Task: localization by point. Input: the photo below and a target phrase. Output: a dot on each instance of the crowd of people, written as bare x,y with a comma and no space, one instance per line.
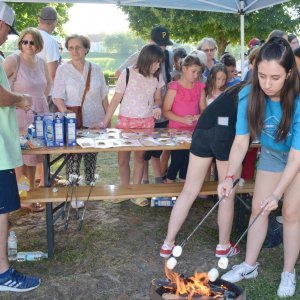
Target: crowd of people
160,88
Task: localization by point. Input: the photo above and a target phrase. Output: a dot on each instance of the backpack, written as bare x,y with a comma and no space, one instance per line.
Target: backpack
274,234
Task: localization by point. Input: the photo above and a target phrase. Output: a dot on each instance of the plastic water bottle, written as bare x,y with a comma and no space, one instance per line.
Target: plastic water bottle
12,246
31,256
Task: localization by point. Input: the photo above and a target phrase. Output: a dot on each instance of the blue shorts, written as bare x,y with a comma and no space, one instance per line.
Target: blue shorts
9,194
272,161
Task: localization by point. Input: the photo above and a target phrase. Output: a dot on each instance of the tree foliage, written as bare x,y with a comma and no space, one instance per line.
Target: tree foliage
27,14
125,43
191,26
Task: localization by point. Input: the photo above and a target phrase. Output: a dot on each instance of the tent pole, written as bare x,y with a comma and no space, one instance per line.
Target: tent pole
242,28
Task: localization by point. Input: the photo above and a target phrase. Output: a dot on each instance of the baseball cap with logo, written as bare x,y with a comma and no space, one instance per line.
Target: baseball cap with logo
161,36
48,13
8,16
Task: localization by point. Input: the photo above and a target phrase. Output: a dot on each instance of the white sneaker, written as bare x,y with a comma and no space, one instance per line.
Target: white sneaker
80,204
287,285
240,272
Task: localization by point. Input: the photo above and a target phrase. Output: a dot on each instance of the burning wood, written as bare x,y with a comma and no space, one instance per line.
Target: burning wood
186,288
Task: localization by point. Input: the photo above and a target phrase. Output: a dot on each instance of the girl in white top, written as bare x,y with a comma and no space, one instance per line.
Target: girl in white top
69,85
140,102
215,83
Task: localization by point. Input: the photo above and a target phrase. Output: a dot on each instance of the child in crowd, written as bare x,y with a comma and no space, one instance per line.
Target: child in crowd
269,109
215,83
141,102
229,61
183,105
179,54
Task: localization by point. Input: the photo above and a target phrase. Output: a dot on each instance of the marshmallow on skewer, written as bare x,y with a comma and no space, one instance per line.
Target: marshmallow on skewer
223,263
213,274
171,263
177,251
241,182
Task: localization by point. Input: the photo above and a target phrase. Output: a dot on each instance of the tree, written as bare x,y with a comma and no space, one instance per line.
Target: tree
125,43
191,26
27,14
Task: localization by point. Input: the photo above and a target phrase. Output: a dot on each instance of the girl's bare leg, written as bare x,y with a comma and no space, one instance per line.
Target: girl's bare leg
194,180
124,167
138,166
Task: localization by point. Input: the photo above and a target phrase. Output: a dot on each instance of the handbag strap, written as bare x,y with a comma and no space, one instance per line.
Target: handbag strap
14,77
87,84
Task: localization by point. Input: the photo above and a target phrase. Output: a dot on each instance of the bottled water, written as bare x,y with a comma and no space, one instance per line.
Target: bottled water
31,256
12,246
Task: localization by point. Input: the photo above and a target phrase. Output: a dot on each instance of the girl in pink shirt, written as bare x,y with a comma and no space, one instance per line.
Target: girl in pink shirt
140,102
183,105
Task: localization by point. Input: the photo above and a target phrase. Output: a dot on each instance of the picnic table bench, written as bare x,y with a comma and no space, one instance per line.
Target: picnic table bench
103,192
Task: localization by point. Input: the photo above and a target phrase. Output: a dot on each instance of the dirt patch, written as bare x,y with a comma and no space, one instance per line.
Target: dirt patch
115,256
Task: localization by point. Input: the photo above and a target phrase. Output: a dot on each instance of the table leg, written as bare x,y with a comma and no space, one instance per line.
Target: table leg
49,209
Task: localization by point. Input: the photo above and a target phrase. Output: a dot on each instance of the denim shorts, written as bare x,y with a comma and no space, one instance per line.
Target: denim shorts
272,161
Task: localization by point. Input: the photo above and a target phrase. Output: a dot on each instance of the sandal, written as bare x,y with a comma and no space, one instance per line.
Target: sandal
33,207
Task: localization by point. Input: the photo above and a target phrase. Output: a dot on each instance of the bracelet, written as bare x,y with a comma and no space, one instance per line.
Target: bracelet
229,177
155,106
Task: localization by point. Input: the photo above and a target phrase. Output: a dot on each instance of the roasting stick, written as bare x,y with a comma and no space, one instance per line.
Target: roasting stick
177,250
223,261
207,215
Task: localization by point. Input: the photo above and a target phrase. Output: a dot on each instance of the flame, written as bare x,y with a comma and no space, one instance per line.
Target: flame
192,286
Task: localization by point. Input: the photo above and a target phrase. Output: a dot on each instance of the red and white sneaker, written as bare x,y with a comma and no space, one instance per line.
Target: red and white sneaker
166,250
221,252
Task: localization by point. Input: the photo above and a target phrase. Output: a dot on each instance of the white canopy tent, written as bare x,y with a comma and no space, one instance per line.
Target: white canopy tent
241,7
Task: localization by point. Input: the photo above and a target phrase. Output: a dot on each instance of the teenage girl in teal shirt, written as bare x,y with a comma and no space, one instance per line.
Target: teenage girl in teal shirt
269,109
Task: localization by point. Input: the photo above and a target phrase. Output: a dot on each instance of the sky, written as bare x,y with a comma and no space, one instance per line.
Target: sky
95,18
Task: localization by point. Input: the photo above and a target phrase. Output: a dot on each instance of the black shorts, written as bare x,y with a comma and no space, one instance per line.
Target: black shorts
156,153
214,142
9,194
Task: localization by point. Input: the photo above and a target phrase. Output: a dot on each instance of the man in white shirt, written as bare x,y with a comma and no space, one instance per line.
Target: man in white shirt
50,52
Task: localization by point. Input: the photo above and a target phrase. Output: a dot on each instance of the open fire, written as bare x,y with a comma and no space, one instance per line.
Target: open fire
177,287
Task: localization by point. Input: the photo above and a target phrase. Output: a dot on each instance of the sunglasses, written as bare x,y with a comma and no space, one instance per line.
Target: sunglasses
25,42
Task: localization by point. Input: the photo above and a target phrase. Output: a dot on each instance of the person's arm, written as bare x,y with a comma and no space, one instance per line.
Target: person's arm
156,111
202,105
52,67
167,109
48,79
115,101
105,105
60,104
237,154
7,98
9,65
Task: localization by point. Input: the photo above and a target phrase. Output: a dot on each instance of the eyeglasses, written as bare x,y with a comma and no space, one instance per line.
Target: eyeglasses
60,48
209,50
25,42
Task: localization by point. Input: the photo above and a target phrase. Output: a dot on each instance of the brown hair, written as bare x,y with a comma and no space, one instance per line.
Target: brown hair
149,55
86,43
212,76
277,49
37,38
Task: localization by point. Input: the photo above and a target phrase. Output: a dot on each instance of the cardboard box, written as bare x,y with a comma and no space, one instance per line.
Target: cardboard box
49,130
39,126
59,130
163,201
70,129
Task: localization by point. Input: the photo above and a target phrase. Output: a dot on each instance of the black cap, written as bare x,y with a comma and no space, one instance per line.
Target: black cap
161,36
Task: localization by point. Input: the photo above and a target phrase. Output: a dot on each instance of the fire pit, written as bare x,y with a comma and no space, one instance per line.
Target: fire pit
196,287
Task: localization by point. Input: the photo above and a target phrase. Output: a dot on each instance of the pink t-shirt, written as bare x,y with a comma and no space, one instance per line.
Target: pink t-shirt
186,102
138,96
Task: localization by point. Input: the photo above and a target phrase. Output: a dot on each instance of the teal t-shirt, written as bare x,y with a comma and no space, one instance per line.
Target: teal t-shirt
273,114
10,151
